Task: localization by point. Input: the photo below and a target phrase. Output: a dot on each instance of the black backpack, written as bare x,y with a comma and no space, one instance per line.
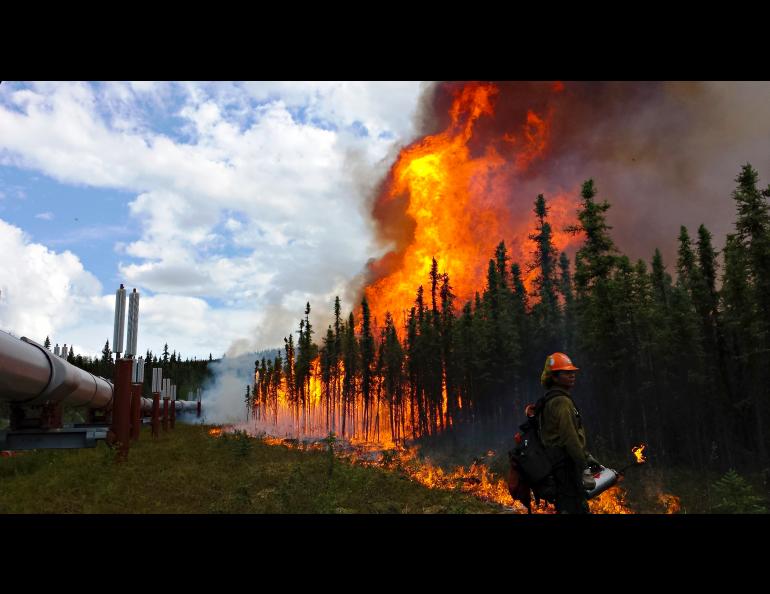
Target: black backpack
531,458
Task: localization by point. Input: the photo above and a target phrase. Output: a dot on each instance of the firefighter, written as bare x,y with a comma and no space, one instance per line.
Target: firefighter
562,427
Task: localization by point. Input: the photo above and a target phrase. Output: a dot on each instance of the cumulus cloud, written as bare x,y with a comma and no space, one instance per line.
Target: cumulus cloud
249,196
42,291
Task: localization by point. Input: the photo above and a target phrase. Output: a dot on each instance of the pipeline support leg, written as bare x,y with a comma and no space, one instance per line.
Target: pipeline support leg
165,415
155,414
121,408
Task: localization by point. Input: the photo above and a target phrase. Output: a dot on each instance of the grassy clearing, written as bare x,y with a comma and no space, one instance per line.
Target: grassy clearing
187,471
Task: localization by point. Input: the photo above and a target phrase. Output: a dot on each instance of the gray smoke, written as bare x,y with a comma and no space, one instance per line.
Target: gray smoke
664,154
224,398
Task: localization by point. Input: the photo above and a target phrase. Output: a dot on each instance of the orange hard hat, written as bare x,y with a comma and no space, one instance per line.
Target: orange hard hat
555,362
559,362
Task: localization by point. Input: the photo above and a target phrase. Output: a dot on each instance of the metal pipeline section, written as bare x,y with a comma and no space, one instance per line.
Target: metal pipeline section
186,406
182,406
31,375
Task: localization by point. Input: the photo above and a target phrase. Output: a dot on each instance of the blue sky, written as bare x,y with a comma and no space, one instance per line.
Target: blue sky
228,205
87,221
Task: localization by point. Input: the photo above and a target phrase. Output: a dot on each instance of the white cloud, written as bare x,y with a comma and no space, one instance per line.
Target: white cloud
41,290
46,216
262,201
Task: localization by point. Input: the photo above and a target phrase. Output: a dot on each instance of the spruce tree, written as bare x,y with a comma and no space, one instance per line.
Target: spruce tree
545,312
597,337
567,308
753,233
106,353
367,362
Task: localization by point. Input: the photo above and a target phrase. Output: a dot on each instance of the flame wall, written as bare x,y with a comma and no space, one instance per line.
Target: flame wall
663,154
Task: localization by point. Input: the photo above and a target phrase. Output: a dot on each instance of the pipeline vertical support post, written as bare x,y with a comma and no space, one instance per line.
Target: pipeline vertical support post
157,388
51,415
121,408
155,413
165,414
172,420
199,409
136,411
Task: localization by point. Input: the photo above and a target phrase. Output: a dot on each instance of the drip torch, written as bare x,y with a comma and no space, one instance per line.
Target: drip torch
608,477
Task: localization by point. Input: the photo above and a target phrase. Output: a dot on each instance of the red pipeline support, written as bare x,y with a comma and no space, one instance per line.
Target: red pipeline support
51,415
172,420
165,414
155,413
121,409
136,411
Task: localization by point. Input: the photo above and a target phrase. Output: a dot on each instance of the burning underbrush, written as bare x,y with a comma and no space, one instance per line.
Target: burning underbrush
476,479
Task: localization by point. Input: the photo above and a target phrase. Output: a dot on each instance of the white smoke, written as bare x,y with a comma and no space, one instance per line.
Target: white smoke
224,398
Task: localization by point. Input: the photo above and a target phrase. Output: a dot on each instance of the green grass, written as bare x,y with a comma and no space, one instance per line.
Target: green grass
186,471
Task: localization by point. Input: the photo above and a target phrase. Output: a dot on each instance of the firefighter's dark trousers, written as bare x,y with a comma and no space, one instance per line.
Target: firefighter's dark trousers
570,495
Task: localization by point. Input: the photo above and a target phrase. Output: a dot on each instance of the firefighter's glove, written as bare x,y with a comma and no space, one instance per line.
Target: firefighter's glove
593,464
589,483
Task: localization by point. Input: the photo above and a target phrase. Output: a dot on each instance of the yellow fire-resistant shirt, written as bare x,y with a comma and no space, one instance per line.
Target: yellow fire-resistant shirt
562,427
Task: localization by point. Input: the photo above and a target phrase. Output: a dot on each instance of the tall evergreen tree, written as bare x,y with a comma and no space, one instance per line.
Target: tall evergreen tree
753,232
106,353
568,314
367,363
545,312
598,340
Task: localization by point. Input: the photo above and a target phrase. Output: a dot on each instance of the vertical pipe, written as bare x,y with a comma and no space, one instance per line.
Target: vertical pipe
166,394
136,411
155,413
133,323
120,320
165,413
137,380
172,420
121,408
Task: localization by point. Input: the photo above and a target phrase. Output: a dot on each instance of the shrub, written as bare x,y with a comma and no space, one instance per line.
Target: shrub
734,495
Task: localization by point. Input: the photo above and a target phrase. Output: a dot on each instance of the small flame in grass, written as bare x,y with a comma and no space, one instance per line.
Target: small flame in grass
476,480
273,440
215,432
670,502
639,453
612,501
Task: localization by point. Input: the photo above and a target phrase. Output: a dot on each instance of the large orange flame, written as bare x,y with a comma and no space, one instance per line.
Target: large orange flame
461,204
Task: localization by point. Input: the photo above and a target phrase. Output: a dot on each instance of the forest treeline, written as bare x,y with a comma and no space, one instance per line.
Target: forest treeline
187,375
680,365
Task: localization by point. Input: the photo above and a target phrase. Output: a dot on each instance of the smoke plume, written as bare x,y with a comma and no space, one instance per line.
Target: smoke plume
664,154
